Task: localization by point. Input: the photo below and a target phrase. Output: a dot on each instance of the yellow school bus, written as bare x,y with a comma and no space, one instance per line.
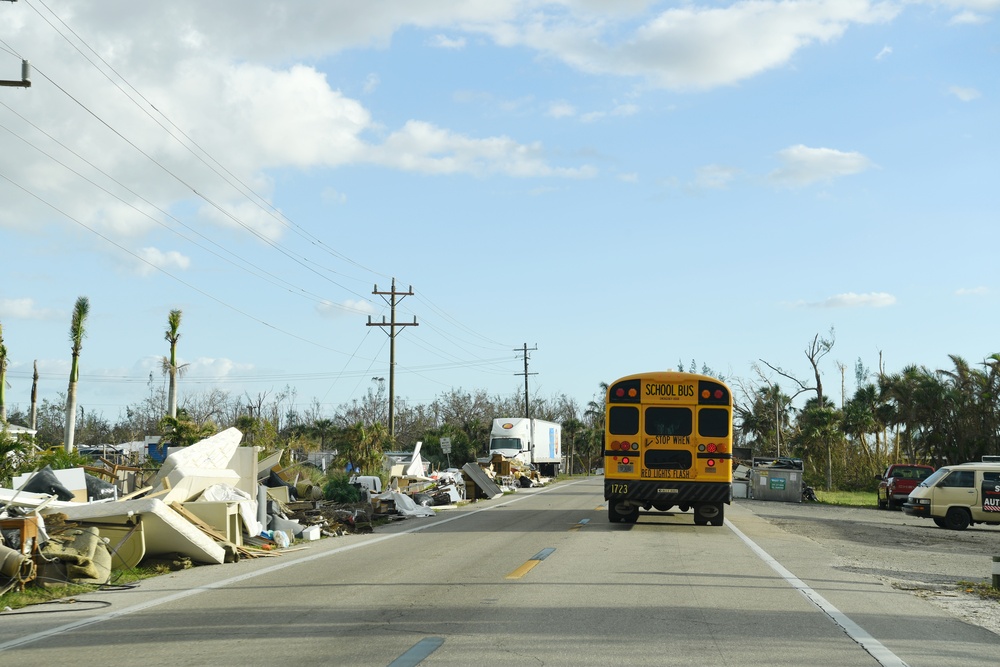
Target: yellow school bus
668,442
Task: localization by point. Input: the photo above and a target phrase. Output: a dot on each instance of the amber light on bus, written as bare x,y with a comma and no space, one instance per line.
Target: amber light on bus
624,445
717,394
630,392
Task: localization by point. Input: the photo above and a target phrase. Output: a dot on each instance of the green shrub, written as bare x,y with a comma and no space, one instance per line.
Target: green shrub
339,490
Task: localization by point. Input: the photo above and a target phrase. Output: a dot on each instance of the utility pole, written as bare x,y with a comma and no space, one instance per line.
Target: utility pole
524,350
25,81
394,298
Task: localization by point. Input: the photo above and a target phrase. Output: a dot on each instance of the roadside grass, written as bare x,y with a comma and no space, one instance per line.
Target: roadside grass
847,498
33,595
984,590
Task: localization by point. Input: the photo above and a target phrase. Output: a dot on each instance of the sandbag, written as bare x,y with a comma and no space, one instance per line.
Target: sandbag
98,489
45,481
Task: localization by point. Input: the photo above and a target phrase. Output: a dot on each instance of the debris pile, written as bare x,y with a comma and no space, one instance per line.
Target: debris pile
210,503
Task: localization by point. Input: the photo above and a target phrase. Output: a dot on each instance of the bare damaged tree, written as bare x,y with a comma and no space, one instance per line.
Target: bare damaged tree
815,351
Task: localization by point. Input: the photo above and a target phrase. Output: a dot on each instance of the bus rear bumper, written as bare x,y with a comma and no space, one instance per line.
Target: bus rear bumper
645,492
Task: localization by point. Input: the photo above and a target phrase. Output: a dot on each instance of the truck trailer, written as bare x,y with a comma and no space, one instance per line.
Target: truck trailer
531,441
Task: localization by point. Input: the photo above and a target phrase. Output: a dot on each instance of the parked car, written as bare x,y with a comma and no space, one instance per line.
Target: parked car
958,496
898,480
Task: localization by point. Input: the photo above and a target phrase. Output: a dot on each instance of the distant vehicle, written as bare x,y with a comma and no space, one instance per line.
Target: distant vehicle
531,441
958,496
599,471
97,452
897,481
668,442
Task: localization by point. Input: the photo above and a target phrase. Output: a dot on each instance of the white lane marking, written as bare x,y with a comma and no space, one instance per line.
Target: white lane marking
180,595
874,647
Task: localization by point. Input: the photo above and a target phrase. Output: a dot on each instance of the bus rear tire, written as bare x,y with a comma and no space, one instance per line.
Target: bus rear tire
629,515
709,513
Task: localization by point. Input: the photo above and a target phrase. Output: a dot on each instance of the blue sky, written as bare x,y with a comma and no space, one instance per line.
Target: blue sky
621,185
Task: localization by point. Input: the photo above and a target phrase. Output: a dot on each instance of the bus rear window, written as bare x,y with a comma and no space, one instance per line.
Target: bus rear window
667,458
713,423
623,420
668,421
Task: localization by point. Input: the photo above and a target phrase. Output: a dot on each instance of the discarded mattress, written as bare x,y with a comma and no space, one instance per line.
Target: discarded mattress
165,531
190,470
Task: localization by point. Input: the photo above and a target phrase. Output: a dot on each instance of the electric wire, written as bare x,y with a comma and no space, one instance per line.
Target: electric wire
257,199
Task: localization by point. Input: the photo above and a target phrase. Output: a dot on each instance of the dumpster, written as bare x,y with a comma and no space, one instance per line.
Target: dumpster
776,479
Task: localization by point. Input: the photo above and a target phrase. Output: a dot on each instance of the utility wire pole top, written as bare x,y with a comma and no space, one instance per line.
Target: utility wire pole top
524,351
394,298
25,81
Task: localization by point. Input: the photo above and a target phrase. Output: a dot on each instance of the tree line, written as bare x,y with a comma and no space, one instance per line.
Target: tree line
917,415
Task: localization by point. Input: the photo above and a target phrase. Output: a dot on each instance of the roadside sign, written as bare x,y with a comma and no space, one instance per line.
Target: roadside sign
446,445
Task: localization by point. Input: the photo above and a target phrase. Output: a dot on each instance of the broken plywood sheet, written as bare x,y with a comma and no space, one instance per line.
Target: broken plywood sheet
164,530
33,500
482,480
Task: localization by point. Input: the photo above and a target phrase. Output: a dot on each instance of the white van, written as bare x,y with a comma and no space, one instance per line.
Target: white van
959,496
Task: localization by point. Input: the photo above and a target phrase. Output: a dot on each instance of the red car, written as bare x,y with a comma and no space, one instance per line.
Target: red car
896,483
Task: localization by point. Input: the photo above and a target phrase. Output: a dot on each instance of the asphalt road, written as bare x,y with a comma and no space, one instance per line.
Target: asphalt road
541,578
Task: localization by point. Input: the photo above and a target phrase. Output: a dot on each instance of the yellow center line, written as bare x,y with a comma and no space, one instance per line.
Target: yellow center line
523,570
531,563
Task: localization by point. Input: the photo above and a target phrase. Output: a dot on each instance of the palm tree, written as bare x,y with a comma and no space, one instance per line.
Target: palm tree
77,331
170,363
33,413
3,379
818,429
861,419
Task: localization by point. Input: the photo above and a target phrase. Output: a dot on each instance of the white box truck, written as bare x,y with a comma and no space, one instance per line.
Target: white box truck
528,440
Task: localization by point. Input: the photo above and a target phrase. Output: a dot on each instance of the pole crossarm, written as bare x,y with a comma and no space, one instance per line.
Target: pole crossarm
25,81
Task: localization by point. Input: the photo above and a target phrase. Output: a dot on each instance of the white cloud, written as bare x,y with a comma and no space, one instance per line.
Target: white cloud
425,148
216,368
964,94
630,177
442,42
154,258
561,110
886,51
25,309
332,195
972,291
372,82
852,300
969,18
714,177
804,165
692,47
349,307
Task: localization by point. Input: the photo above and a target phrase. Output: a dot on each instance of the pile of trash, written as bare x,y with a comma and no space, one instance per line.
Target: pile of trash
210,503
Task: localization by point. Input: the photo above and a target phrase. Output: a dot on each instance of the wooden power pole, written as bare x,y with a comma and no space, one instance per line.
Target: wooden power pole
524,350
394,298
